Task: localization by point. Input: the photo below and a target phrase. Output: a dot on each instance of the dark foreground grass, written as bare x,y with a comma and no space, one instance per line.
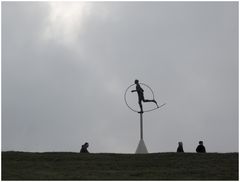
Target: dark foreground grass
158,166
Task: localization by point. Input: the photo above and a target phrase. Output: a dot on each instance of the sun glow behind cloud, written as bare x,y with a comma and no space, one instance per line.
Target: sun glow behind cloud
66,23
66,20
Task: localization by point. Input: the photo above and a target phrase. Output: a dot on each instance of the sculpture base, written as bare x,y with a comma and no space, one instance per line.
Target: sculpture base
141,149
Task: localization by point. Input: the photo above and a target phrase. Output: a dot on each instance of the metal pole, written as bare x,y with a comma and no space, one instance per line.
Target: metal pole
141,126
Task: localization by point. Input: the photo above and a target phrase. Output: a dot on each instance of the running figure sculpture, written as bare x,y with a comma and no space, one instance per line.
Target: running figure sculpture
141,98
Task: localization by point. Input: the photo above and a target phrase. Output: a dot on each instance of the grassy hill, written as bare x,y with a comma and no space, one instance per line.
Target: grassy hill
156,166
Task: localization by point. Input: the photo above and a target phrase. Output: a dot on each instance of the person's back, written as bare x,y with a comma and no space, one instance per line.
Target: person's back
180,147
200,148
84,148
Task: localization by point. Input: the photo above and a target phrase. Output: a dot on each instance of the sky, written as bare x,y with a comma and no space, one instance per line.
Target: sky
66,67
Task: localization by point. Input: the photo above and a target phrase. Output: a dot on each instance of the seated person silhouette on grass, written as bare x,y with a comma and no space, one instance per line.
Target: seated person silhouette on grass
84,148
200,148
180,147
141,98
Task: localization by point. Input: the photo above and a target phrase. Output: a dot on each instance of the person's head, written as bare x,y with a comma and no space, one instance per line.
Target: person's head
200,142
136,82
86,145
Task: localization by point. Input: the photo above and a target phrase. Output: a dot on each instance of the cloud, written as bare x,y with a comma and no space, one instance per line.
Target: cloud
66,66
65,21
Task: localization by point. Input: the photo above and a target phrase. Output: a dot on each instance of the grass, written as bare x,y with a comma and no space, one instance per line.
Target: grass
156,166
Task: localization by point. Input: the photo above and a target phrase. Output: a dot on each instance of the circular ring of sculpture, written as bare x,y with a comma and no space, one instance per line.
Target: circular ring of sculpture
125,98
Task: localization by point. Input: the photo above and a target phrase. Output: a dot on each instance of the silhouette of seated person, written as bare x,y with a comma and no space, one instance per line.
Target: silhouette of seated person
141,98
180,147
200,148
84,148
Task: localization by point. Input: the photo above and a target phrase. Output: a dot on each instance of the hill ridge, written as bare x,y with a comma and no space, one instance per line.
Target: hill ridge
114,166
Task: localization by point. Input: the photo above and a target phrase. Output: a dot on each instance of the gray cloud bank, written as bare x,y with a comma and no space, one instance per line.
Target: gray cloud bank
65,68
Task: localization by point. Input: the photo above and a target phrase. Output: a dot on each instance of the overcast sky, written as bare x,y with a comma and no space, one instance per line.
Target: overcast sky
66,66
